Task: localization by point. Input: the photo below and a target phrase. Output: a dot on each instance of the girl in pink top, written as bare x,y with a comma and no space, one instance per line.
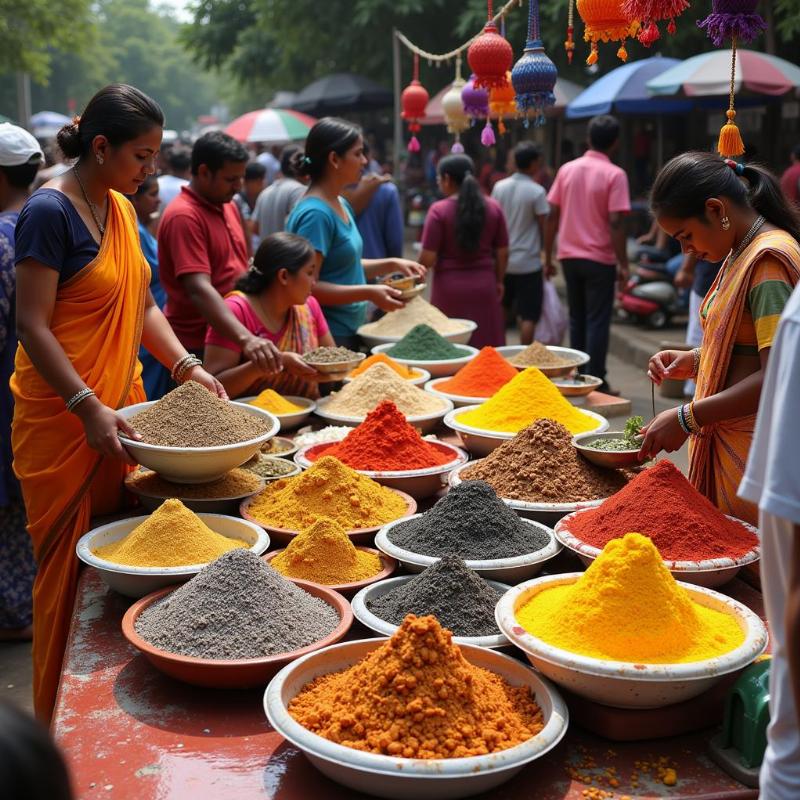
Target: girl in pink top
273,300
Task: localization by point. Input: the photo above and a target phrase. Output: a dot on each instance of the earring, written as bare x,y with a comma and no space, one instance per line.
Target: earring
726,223
99,158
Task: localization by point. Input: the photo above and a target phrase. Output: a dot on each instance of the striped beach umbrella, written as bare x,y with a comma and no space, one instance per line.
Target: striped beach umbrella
271,126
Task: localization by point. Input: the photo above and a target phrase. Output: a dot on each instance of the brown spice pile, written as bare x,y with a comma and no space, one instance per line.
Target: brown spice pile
190,416
537,355
236,483
540,465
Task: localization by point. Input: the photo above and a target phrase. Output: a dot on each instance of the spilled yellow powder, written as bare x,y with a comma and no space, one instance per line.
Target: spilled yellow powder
172,536
270,400
628,607
523,400
324,554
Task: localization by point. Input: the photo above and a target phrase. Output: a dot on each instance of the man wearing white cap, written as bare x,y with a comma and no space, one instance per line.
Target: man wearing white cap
20,159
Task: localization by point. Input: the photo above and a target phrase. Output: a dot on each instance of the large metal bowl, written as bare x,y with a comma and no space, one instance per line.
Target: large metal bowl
610,459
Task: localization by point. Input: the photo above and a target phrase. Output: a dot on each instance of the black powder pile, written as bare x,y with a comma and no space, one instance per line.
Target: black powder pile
471,522
459,598
236,607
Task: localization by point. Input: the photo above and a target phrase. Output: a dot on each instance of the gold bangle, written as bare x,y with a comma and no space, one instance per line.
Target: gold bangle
696,364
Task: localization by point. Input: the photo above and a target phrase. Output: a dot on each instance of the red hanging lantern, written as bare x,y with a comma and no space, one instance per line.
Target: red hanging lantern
605,22
413,101
490,56
650,12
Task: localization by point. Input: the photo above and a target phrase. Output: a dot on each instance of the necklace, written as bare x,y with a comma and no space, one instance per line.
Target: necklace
92,206
748,237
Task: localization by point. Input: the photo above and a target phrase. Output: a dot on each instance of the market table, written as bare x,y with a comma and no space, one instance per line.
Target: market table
130,732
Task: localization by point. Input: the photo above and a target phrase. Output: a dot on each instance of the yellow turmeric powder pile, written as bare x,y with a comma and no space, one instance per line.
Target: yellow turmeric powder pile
628,607
523,400
416,696
324,554
327,489
270,400
172,536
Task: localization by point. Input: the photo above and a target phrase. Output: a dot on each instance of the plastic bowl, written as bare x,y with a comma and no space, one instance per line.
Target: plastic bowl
419,483
458,400
404,778
461,336
388,566
211,505
710,572
610,459
384,628
546,513
337,367
295,419
577,359
437,369
626,684
421,377
139,581
481,442
196,464
357,535
243,673
506,570
425,423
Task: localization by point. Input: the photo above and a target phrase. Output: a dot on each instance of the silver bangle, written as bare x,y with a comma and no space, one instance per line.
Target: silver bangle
179,364
194,361
78,398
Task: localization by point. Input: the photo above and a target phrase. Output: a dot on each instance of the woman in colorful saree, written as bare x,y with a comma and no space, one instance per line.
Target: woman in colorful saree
720,209
83,308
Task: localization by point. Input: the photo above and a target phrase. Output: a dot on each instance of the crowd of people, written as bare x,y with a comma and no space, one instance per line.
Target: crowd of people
252,262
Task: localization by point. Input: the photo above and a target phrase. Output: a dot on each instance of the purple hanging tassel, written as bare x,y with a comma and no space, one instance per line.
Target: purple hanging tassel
413,145
733,18
487,135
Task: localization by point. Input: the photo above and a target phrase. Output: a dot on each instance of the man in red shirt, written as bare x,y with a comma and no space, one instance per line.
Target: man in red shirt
202,251
790,180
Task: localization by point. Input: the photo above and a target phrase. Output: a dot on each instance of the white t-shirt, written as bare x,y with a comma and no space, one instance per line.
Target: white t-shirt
169,187
522,201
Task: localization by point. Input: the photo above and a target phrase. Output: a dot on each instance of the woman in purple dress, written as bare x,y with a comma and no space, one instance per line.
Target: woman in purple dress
465,243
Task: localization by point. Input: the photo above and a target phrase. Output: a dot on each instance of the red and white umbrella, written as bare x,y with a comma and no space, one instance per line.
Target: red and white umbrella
271,126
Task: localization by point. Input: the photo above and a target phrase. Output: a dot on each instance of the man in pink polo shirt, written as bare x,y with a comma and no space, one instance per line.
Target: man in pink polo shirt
202,252
588,202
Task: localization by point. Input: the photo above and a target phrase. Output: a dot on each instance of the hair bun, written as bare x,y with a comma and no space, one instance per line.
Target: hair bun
69,138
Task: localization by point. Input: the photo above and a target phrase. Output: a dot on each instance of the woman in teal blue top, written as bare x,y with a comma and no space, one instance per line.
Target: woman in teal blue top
333,159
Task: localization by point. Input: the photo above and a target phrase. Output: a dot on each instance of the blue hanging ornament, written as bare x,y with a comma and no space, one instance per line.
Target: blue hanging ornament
534,75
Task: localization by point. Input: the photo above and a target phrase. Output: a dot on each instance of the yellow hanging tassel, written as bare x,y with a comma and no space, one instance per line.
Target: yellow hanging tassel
592,58
730,140
501,128
622,53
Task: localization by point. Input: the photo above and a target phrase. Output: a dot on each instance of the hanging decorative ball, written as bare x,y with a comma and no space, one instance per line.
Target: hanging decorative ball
650,12
733,19
502,103
413,101
490,56
534,75
474,100
455,117
605,22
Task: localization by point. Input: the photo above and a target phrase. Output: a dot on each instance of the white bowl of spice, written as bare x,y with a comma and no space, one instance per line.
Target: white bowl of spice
437,368
425,423
192,436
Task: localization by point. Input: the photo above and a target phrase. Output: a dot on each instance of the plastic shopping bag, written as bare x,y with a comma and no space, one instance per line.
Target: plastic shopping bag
553,322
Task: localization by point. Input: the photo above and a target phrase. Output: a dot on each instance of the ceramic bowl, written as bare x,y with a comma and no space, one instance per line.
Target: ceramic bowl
610,459
196,464
626,684
296,418
357,535
460,336
403,778
577,359
384,628
711,572
458,400
421,377
388,567
506,570
419,483
546,513
481,442
425,423
437,369
239,674
139,581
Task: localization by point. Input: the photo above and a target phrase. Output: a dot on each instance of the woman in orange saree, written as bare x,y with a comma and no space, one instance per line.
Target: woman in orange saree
83,307
713,208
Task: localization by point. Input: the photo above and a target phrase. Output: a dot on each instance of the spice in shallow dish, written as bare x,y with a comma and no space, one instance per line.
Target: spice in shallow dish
265,466
630,439
236,483
324,554
539,355
330,355
417,696
172,536
190,416
237,607
271,401
330,433
276,446
386,442
628,607
327,489
486,374
540,465
417,311
422,343
407,373
523,400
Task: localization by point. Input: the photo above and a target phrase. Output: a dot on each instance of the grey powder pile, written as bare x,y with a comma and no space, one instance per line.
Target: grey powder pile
470,521
458,597
236,607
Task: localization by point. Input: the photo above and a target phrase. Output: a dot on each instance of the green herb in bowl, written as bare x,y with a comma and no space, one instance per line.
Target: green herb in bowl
630,439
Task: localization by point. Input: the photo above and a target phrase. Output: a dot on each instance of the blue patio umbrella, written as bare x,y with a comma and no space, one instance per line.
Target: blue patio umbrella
48,119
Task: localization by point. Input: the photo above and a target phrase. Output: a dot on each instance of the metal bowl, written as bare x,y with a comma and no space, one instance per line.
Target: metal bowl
610,459
425,423
337,367
578,385
296,469
438,369
291,447
293,419
577,359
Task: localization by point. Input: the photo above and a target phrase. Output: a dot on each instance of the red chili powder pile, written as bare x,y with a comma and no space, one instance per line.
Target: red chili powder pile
661,504
481,377
384,442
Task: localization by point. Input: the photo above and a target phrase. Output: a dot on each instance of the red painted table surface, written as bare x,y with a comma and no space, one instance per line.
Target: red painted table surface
130,732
